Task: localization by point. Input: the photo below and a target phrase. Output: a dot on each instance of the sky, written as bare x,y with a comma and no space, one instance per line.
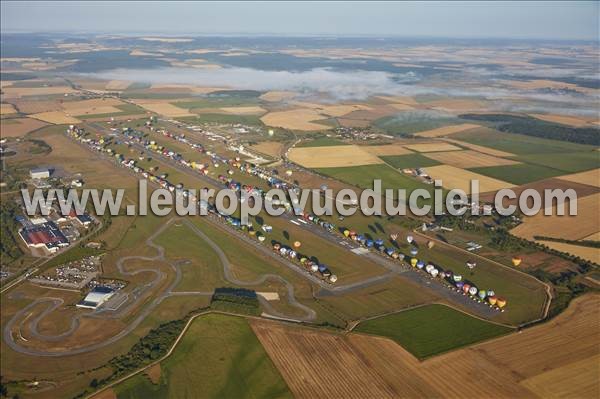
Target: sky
530,20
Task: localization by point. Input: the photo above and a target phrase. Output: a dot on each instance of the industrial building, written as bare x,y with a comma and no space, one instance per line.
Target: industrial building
96,297
44,235
40,173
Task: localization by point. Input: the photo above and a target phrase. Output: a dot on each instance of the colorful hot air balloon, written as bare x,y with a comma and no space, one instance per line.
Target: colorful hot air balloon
413,262
457,277
420,264
333,278
409,239
492,300
501,302
276,246
491,293
297,244
516,261
482,294
459,285
466,288
346,233
414,251
393,236
430,244
471,264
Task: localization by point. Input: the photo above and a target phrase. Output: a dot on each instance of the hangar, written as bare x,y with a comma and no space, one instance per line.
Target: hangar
96,297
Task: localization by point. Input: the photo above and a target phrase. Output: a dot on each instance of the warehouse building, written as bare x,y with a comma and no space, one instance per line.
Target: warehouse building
96,297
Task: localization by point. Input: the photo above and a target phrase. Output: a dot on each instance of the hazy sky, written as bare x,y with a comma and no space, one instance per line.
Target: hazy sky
538,19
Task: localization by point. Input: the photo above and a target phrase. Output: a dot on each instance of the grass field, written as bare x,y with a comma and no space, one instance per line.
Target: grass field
321,142
363,176
252,120
518,174
218,357
332,156
432,329
414,160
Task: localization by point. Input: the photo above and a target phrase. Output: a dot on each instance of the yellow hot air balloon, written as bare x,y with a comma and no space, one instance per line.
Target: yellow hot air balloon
413,262
516,261
492,300
430,244
501,302
346,233
297,244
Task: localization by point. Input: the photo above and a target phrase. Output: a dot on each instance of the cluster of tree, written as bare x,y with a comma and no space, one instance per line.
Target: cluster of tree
235,300
530,126
9,248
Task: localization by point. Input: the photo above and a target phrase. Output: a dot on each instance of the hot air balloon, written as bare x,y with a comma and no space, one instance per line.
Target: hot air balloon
459,285
473,291
314,267
491,293
471,264
297,244
303,260
492,300
333,278
466,288
289,172
276,246
271,132
292,254
457,278
482,294
420,264
430,244
261,238
414,251
409,239
501,302
394,236
346,233
369,243
389,251
413,262
516,261
434,272
378,242
429,268
401,256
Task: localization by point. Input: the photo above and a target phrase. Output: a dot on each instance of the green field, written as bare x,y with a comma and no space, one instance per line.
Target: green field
363,176
432,329
415,160
519,173
223,118
219,357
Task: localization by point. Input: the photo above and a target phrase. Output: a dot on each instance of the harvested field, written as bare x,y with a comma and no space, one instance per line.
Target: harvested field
163,107
446,130
399,99
276,96
18,92
117,85
182,88
295,119
271,148
454,177
593,237
55,117
480,148
582,190
528,364
432,147
254,110
586,222
401,107
588,253
564,119
35,107
332,156
154,373
317,365
469,159
78,106
7,109
341,110
590,178
386,150
456,105
19,126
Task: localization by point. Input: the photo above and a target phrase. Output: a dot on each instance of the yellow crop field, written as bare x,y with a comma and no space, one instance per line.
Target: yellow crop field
17,92
480,148
576,227
593,237
254,110
276,96
117,85
469,159
446,130
589,253
563,119
432,147
386,150
453,177
163,107
7,109
590,177
295,119
332,156
55,117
